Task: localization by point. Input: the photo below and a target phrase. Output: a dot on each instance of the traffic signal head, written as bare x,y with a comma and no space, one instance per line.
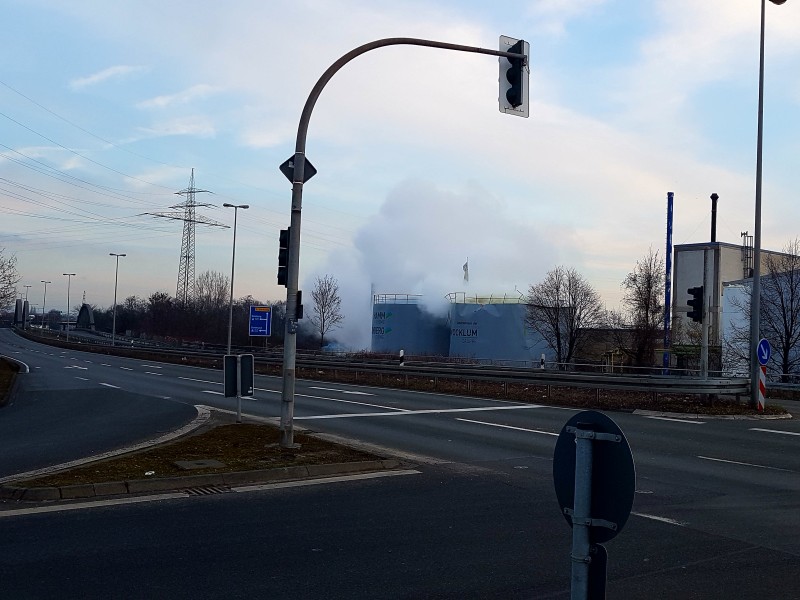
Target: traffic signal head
514,77
283,256
696,304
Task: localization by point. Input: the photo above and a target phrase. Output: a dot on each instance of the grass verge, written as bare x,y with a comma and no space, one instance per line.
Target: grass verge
239,447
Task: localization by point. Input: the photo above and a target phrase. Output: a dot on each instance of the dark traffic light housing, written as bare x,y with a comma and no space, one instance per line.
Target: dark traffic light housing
283,256
515,75
696,304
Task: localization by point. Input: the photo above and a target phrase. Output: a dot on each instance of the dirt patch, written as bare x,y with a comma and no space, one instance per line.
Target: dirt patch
239,447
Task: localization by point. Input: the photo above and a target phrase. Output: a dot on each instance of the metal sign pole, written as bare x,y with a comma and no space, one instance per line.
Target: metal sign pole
581,517
239,388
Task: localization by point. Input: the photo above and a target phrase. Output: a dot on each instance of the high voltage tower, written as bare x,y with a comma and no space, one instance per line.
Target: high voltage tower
185,211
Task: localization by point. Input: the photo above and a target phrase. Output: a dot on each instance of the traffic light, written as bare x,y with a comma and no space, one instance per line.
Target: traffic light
283,256
696,303
514,75
513,97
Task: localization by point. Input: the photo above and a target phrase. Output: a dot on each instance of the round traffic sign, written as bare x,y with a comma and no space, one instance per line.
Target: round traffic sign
613,474
764,351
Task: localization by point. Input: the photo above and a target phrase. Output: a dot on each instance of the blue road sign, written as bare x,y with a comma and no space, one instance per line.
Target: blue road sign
260,321
764,351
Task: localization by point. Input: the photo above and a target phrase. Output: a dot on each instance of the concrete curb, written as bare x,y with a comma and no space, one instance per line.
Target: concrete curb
190,482
697,416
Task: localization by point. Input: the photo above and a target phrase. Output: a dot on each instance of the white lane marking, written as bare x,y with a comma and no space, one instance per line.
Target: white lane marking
25,367
675,420
81,378
87,361
104,365
151,373
661,519
509,427
37,367
21,512
759,429
734,462
216,393
352,402
151,366
126,369
266,390
77,367
201,380
321,480
324,389
435,411
116,387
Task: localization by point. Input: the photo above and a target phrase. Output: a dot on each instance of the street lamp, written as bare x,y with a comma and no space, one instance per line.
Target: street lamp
69,277
44,300
26,292
114,320
755,298
235,208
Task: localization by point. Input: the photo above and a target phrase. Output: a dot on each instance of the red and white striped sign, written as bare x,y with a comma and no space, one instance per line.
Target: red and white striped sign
762,387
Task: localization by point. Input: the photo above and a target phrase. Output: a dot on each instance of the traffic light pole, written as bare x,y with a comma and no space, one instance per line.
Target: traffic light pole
290,338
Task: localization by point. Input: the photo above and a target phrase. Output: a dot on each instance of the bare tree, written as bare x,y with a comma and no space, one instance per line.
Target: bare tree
9,278
780,313
327,306
642,319
211,291
562,308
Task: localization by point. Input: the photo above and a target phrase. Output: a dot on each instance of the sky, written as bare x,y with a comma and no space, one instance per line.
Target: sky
106,107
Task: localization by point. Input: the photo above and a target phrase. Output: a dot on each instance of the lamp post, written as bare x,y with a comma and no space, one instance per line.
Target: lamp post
755,298
114,319
235,208
26,292
44,300
69,277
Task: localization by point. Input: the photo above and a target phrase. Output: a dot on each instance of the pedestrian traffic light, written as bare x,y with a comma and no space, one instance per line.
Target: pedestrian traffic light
283,256
696,304
514,70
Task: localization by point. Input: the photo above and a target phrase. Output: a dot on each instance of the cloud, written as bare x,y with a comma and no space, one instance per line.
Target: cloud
551,16
117,72
198,126
183,97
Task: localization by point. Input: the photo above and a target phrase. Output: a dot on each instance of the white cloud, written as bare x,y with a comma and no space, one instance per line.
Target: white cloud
198,126
117,72
183,97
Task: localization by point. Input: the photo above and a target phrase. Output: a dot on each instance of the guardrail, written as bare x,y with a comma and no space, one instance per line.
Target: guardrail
653,384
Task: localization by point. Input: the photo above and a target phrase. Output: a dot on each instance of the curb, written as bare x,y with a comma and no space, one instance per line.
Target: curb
190,482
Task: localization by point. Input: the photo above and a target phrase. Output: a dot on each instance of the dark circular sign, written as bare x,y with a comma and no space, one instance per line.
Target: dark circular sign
613,474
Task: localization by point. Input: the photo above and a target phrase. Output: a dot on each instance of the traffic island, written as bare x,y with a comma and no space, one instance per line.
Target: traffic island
222,456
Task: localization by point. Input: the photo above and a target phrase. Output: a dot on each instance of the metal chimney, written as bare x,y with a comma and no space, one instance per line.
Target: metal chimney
714,198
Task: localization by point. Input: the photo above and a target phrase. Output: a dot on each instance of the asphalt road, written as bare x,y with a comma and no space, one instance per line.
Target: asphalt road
715,513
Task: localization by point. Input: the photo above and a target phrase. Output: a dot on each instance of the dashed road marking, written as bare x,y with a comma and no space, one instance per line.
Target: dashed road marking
116,387
775,431
675,420
661,519
433,411
744,464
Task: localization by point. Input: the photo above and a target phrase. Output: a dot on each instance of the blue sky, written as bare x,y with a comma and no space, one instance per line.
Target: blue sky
107,106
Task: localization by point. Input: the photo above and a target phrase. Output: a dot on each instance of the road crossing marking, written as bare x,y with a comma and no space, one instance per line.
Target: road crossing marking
432,411
734,462
675,420
775,431
508,427
661,519
324,389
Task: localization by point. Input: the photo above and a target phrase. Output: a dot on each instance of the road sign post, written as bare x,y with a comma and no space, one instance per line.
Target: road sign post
238,377
595,481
